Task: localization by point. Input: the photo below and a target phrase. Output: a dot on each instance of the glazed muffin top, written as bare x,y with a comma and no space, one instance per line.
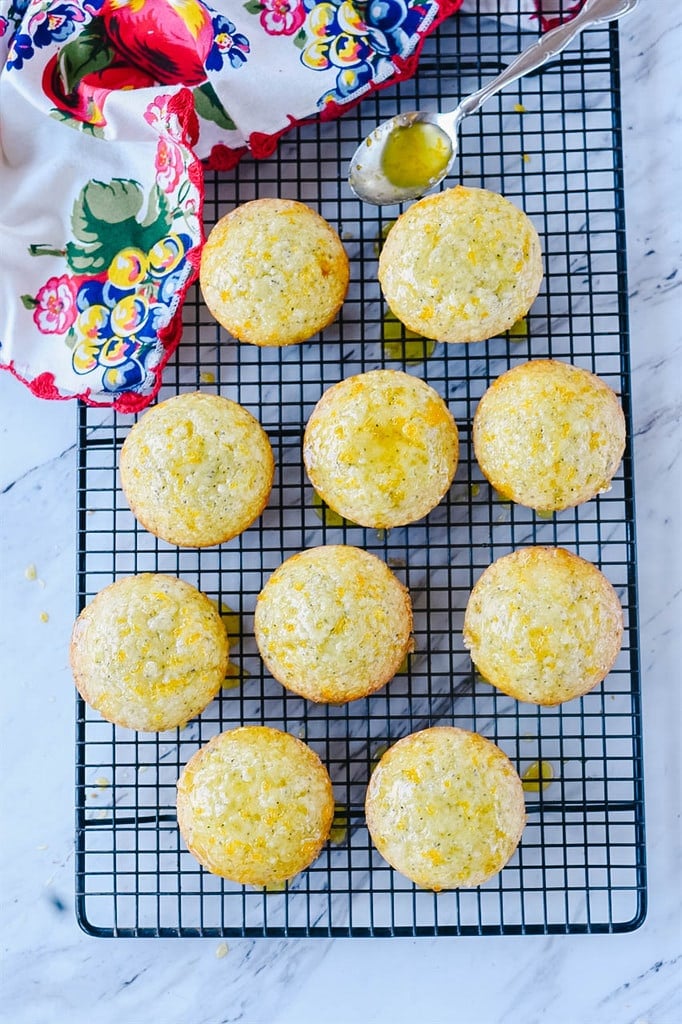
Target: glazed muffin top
197,469
255,805
333,623
149,652
274,272
445,807
381,448
462,265
543,625
549,435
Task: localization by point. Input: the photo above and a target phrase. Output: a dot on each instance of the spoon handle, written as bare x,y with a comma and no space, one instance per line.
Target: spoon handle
549,45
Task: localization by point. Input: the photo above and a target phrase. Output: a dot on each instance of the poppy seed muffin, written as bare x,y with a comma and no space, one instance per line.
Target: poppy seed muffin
149,652
543,625
381,448
273,272
333,623
197,469
461,265
255,805
445,807
549,435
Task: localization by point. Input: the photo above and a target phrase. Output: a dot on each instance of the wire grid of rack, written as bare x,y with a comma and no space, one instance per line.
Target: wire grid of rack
551,144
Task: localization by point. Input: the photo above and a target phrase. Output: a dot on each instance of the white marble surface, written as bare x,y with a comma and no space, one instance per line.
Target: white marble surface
54,973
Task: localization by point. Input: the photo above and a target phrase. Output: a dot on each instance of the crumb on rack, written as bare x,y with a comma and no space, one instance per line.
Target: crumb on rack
222,950
519,108
30,572
44,617
206,377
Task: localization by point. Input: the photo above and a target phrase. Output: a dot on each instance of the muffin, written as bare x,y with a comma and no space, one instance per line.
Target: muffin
273,272
461,265
255,805
549,435
197,470
381,448
543,625
333,624
149,652
445,808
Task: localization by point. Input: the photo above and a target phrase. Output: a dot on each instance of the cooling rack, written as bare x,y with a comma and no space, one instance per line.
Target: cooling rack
551,143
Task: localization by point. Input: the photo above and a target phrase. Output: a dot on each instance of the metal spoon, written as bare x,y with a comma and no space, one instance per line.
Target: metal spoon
367,176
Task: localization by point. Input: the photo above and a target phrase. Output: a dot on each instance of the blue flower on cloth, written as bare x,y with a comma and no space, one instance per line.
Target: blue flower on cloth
228,44
54,22
359,39
21,49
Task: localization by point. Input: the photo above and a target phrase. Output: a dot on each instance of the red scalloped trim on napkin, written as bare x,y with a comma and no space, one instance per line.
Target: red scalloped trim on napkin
131,402
182,104
42,386
261,146
222,158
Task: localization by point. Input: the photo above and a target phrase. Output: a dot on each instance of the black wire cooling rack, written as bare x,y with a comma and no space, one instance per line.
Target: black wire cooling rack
551,144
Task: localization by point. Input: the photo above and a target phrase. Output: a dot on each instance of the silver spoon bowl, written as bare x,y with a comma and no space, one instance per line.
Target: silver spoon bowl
369,175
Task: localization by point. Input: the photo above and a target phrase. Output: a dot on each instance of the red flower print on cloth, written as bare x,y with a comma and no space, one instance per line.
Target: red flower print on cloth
282,17
166,114
169,163
169,39
85,102
55,305
161,116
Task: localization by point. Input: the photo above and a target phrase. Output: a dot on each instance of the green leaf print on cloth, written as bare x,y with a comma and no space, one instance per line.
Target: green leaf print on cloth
209,107
104,220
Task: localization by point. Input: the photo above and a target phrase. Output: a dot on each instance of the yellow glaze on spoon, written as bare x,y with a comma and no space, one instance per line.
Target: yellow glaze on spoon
416,156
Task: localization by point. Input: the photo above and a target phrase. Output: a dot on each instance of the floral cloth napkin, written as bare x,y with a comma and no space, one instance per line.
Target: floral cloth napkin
108,109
